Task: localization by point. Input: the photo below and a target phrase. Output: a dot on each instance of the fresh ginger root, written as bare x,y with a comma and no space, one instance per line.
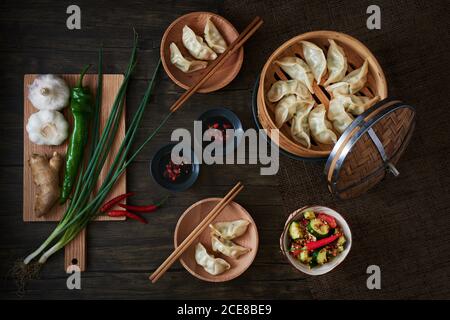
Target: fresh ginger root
45,174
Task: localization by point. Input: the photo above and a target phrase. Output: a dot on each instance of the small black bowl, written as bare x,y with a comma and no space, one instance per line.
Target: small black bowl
188,176
222,116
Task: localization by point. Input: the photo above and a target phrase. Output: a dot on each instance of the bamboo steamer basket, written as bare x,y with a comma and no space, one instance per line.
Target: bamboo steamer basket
356,53
371,146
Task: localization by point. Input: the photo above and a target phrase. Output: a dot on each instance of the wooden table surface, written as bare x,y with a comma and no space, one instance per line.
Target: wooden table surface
122,255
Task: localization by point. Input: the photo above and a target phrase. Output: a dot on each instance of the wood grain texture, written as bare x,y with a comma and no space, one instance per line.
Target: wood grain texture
76,250
36,40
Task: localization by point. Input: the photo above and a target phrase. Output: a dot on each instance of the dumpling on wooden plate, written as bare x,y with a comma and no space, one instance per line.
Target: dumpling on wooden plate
230,229
227,247
212,265
184,64
213,37
196,46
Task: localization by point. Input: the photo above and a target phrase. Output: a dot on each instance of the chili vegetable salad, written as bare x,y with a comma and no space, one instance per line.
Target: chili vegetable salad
316,238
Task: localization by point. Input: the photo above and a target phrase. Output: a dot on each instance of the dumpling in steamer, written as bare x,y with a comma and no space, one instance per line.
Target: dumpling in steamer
227,247
283,88
337,114
336,63
184,64
357,78
339,88
230,229
357,104
286,108
300,126
214,266
315,58
320,127
213,37
195,45
297,69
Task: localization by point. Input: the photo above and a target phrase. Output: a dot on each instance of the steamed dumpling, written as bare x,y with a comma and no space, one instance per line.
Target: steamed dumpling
339,88
227,247
184,64
336,63
213,37
315,58
283,88
214,266
230,229
297,69
357,78
357,104
337,114
320,126
195,45
300,126
287,107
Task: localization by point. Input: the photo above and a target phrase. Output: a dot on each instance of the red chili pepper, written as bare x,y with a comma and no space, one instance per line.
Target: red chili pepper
136,217
125,213
322,242
328,219
142,209
117,213
111,203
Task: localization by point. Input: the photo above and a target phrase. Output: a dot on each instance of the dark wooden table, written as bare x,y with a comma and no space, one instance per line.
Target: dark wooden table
34,39
122,255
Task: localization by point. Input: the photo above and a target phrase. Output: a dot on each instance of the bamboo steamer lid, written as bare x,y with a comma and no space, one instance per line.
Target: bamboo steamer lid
369,148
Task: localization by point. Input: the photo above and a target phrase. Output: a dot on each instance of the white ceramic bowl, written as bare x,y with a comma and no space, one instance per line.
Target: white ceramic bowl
327,267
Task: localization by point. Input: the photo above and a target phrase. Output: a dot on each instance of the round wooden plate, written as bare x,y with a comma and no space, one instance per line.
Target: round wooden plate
196,21
193,216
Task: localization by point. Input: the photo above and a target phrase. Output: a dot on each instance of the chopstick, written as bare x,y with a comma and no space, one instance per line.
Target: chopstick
235,45
158,273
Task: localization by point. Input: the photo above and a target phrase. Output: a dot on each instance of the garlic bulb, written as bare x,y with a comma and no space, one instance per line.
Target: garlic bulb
47,128
49,92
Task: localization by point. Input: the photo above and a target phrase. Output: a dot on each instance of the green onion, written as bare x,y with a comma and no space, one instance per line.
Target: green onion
84,205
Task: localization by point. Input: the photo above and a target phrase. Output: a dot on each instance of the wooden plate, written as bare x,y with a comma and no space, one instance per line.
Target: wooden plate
196,21
193,216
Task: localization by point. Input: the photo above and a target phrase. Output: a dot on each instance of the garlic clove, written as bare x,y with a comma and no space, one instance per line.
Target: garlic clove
47,127
49,92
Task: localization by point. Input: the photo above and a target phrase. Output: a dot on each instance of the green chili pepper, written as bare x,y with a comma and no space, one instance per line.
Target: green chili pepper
81,106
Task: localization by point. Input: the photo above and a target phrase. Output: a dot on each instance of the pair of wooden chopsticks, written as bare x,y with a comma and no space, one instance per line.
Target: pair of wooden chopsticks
196,232
236,45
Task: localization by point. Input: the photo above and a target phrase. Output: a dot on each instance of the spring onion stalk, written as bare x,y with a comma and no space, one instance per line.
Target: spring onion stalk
84,205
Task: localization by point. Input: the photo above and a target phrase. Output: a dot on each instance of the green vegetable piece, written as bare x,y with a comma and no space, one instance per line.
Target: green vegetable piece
321,256
318,229
309,215
304,256
341,241
82,107
295,230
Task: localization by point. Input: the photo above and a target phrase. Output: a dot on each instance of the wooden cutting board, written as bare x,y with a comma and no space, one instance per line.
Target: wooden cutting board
75,252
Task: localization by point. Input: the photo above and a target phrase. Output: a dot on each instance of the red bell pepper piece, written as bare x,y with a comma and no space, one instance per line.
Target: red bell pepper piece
328,219
322,242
